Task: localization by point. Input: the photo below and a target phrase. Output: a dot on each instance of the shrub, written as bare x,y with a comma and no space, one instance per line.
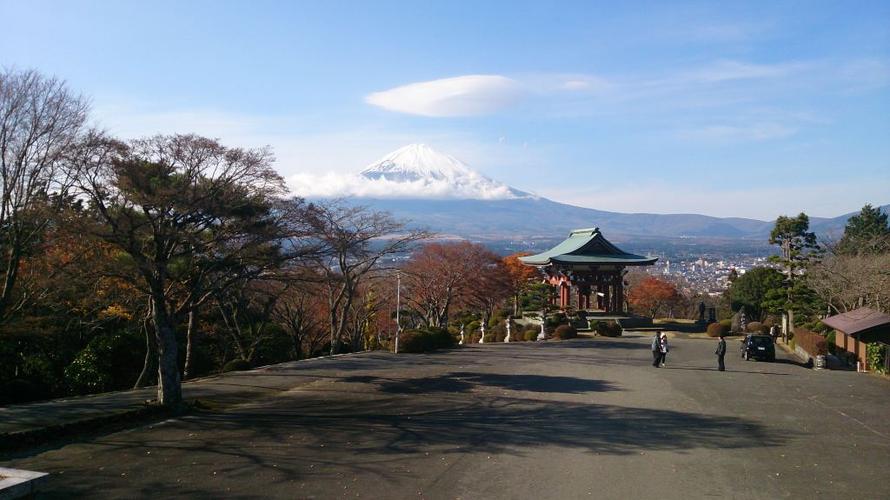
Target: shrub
498,331
555,320
417,341
718,329
20,390
757,327
110,361
277,348
565,332
531,328
530,335
875,354
727,323
236,365
607,328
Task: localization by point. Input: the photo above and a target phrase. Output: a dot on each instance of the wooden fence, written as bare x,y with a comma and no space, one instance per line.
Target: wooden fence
812,343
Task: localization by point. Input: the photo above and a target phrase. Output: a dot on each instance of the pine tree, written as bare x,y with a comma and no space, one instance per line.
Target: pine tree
866,233
798,245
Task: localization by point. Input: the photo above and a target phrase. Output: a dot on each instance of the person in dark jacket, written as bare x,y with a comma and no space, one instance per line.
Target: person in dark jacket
656,350
721,352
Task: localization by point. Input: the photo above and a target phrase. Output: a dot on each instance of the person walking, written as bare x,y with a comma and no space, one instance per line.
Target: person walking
663,349
721,352
656,349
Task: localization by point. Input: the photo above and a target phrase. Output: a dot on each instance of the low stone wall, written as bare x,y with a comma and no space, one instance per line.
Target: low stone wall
635,322
802,354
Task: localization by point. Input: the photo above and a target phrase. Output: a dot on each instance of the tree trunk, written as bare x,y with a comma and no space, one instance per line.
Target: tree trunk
147,360
298,347
12,267
186,372
169,383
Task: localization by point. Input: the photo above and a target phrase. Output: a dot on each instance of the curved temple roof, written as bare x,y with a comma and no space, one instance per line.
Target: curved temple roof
587,247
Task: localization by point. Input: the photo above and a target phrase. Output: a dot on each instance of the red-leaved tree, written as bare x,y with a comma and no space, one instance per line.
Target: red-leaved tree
520,276
652,296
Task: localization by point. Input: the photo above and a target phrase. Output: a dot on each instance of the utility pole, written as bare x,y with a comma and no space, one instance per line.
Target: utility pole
398,307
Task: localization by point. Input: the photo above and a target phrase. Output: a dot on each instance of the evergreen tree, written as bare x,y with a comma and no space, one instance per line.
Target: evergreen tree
798,245
866,233
756,291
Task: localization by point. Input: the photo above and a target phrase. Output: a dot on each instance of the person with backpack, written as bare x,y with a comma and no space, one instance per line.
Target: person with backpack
663,349
721,352
656,350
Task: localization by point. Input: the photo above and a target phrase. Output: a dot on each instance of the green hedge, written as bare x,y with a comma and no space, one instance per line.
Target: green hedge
236,365
607,328
757,327
718,329
565,332
416,341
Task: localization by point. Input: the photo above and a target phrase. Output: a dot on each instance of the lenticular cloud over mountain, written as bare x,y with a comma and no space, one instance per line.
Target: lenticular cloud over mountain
468,95
414,171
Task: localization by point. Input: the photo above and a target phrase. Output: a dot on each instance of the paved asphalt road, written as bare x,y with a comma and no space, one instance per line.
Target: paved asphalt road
589,418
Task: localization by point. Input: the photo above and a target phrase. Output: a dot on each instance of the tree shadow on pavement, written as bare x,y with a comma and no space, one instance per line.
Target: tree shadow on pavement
457,382
728,369
536,383
496,425
419,385
598,343
377,435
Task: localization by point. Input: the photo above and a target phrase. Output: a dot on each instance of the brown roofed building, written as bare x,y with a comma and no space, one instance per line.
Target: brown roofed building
856,329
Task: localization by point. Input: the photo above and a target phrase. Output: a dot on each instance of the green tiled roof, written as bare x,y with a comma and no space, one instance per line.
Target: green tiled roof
587,246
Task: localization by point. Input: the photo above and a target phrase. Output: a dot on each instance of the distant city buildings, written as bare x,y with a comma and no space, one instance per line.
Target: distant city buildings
708,275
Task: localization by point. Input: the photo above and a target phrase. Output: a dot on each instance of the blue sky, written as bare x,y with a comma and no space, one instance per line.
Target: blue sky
744,109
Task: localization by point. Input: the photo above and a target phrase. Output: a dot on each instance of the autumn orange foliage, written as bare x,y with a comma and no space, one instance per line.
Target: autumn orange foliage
652,294
520,276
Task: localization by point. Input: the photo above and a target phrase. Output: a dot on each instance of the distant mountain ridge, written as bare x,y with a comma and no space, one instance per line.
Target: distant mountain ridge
439,192
533,217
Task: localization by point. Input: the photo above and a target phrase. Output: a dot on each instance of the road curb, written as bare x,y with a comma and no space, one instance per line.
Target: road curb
11,441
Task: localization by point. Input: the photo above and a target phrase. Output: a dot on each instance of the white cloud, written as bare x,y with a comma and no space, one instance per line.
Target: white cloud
722,71
576,85
588,83
467,95
733,133
334,185
865,74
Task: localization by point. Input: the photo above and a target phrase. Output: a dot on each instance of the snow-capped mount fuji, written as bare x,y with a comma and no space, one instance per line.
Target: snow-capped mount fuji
436,191
421,170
